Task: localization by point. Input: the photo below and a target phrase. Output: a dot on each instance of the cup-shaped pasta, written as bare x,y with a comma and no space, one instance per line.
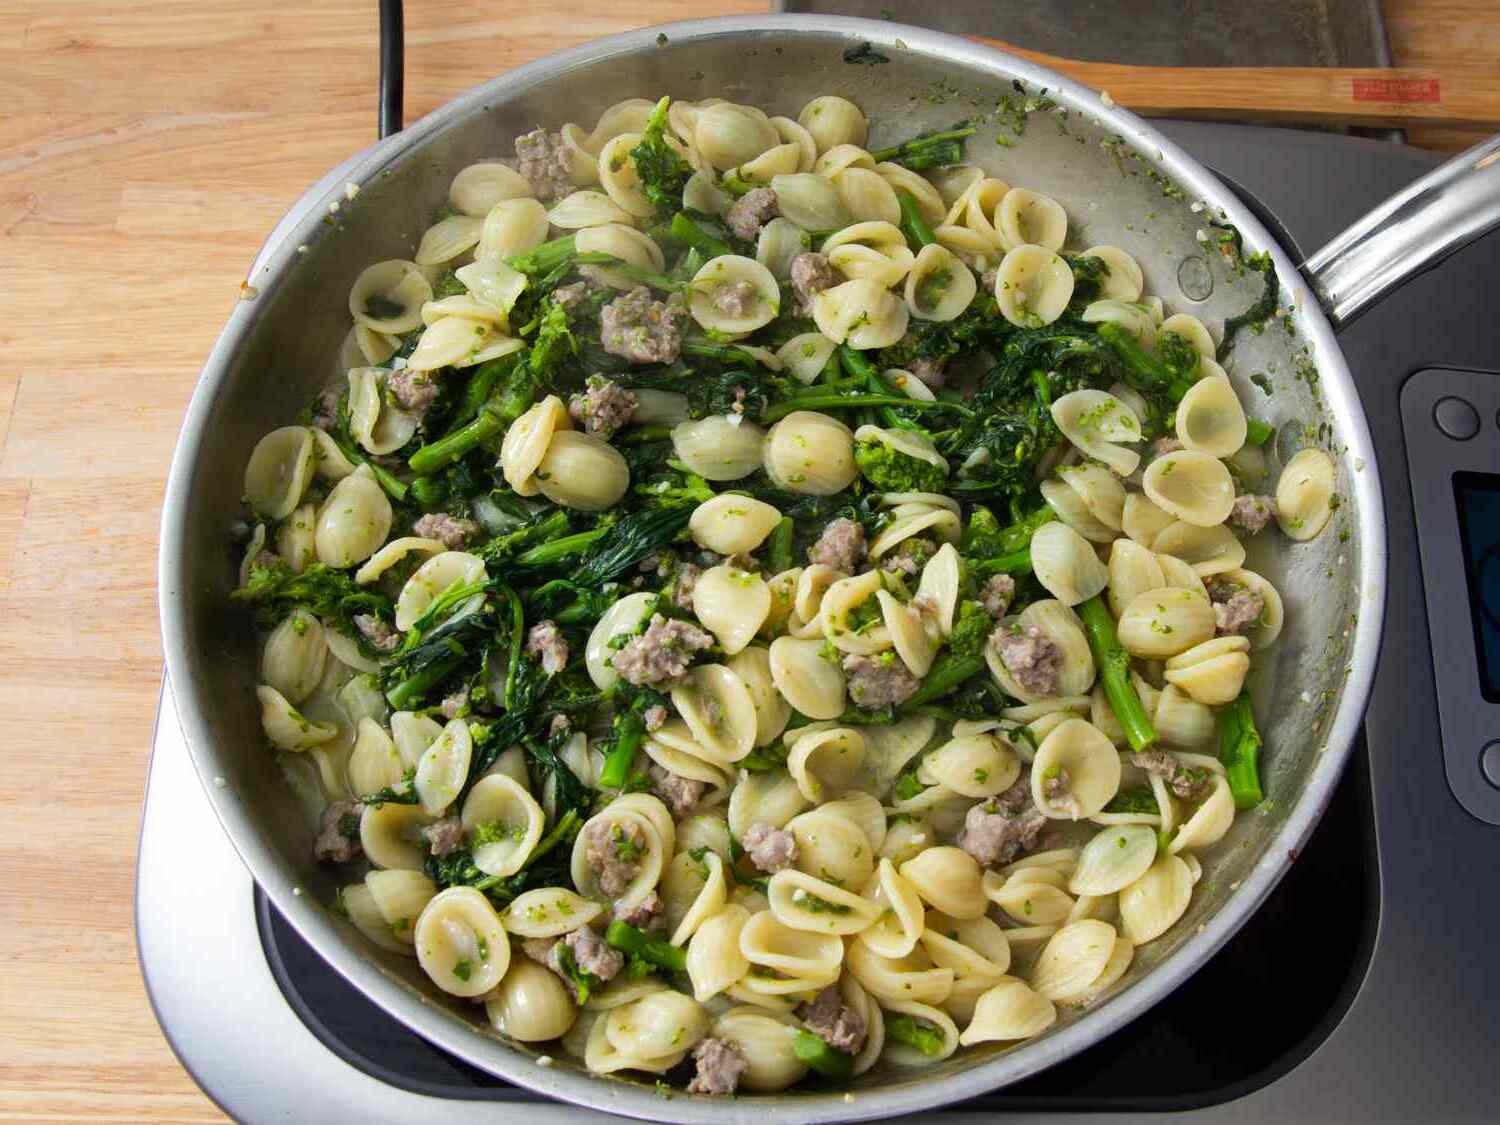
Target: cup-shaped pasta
286,727
376,424
1208,550
1130,315
800,959
1180,574
832,847
618,176
714,960
656,1025
770,798
279,471
1032,286
443,768
1072,510
1009,1011
1305,496
1212,672
503,823
531,1004
1132,570
353,521
692,891
779,241
833,120
849,617
806,355
718,448
714,702
652,808
811,201
948,879
913,519
928,1019
1123,280
400,896
827,760
1099,426
1100,490
1030,218
1210,418
1113,859
899,919
970,947
1142,520
461,944
631,246
728,135
374,762
810,453
1151,905
628,116
548,912
867,195
583,472
908,834
700,193
731,524
358,904
477,188
937,590
457,341
1191,329
296,541
892,979
803,902
1061,626
883,268
600,1056
1161,623
442,572
1076,771
732,604
794,133
753,667
392,553
586,208
733,295
861,313
914,640
391,835
1073,959
976,765
447,239
388,296
765,1042
865,811
939,286
630,833
1267,627
1033,896
293,657
929,200
1194,487
1065,564
512,226
1182,721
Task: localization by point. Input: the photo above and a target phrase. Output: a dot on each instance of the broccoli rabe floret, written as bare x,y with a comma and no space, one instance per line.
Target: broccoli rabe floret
661,169
890,470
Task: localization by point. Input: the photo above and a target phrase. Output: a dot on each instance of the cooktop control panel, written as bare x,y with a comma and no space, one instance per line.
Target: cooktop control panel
1451,419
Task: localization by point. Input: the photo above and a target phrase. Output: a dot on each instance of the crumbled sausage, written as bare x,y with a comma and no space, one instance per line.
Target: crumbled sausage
663,652
640,329
338,842
592,954
644,915
1185,782
909,557
930,371
569,295
811,274
603,406
1030,656
841,546
614,850
683,584
539,949
546,642
326,407
444,836
833,1021
752,211
998,830
413,390
655,717
678,793
546,163
1164,445
770,849
380,635
1251,513
1237,609
997,593
1055,788
451,531
453,705
720,1065
560,724
881,680
734,298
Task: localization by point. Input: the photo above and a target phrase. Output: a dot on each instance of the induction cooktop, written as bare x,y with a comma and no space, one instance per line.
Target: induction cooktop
1366,988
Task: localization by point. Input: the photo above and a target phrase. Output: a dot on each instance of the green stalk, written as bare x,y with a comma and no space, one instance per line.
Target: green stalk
825,401
918,233
1018,535
547,256
929,150
644,435
446,450
634,272
630,730
684,229
1258,432
545,554
1016,563
815,1053
1239,750
413,688
480,386
906,1029
860,367
1113,663
625,937
779,546
948,671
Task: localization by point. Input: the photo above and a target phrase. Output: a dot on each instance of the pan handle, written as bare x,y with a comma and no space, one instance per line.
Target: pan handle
1408,234
392,67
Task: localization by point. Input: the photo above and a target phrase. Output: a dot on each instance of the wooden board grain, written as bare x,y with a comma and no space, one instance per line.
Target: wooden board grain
146,149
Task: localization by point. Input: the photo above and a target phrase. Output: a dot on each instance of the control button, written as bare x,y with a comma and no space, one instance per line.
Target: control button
1489,762
1456,418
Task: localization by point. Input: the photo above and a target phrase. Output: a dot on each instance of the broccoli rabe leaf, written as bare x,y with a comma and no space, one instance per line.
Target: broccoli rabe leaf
661,169
890,470
275,590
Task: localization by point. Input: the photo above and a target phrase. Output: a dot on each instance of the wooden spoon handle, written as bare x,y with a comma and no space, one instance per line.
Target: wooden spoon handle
1342,96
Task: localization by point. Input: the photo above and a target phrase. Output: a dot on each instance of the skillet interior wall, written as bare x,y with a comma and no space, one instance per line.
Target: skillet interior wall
1112,196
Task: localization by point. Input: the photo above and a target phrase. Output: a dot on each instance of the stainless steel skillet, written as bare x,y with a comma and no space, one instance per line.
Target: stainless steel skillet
1121,183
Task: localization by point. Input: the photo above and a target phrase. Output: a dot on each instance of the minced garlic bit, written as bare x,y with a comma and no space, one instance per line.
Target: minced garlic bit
1105,98
544,1060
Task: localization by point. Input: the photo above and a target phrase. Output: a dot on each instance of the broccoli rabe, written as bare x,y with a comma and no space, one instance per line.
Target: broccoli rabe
890,470
963,658
275,590
660,168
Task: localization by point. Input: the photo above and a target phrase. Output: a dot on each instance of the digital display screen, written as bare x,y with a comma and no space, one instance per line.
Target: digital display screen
1477,496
